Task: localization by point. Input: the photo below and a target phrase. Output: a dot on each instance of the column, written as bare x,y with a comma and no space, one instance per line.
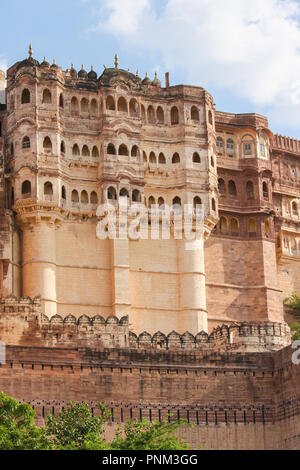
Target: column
121,303
192,296
39,262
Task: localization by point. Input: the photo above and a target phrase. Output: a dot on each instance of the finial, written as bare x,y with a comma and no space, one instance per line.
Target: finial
146,75
137,73
30,50
155,75
116,61
54,63
82,68
92,68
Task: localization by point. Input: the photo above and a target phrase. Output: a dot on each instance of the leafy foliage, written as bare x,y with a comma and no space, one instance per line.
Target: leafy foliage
295,328
17,428
293,302
76,428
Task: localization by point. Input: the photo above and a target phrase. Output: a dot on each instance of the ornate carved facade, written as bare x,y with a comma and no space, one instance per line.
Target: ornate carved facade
149,326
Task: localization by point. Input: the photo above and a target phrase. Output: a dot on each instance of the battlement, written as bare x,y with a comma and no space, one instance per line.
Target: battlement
286,143
23,324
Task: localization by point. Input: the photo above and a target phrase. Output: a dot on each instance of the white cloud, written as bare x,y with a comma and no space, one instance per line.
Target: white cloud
251,49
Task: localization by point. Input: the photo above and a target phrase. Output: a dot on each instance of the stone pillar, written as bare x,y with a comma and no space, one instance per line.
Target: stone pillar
192,297
121,303
39,262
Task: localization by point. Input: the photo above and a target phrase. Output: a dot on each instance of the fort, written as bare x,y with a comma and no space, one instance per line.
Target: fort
148,326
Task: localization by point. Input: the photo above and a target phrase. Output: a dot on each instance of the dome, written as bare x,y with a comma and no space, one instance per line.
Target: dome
156,82
92,74
82,73
54,65
45,63
146,80
73,72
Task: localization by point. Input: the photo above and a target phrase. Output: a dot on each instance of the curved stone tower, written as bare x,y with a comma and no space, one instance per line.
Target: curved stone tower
75,141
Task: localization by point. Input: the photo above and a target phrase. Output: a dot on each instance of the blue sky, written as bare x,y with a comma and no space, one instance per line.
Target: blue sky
245,53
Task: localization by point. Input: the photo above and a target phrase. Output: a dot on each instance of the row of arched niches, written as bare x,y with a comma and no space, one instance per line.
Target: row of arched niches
85,106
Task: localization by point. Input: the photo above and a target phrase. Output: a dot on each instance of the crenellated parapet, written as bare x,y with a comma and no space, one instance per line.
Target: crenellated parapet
23,323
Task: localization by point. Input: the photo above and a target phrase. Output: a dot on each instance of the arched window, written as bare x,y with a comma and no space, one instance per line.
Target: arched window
213,205
94,198
196,158
234,227
232,188
161,159
124,192
133,108
94,107
210,118
26,142
110,103
194,113
26,187
25,96
220,144
152,158
151,202
221,186
111,149
252,227
61,101
47,144
161,202
248,145
74,105
75,196
160,115
295,209
143,113
250,190
136,196
85,151
111,193
175,158
122,105
230,147
123,150
197,202
47,98
135,151
223,225
265,190
63,193
176,201
84,105
48,189
151,114
95,152
75,150
174,115
212,162
62,147
84,199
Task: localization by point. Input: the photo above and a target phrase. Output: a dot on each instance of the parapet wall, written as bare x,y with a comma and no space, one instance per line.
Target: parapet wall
22,323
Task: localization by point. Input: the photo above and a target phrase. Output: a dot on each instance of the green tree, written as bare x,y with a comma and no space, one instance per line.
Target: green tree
295,328
75,428
293,302
143,435
75,425
17,428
